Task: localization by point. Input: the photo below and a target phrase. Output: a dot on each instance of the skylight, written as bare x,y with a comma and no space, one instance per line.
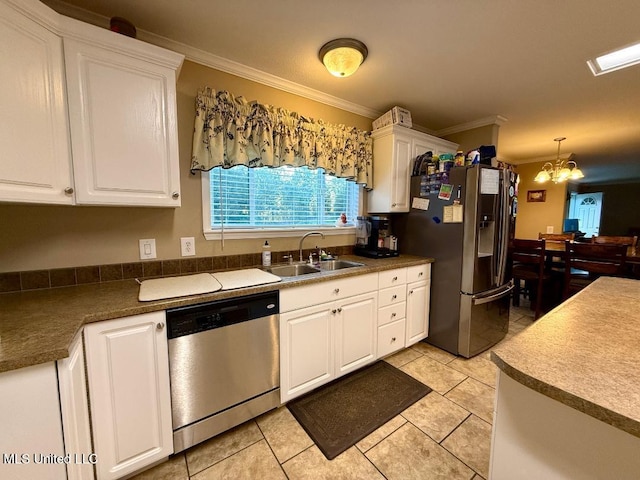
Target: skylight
622,58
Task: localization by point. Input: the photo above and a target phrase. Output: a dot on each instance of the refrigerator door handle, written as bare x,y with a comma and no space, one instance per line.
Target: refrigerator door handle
503,237
501,292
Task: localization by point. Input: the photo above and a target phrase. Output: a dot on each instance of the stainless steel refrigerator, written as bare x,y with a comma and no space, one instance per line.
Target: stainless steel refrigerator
465,227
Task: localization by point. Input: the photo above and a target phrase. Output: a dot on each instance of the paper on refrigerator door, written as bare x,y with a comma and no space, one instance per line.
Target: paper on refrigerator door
489,181
420,203
452,214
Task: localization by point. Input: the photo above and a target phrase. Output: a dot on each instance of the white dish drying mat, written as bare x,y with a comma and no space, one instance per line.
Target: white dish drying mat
248,277
170,287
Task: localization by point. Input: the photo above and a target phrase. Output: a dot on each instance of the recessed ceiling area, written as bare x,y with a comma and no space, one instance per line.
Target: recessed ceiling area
448,63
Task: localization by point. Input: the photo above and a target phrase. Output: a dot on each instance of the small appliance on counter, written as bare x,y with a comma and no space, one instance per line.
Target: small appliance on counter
374,239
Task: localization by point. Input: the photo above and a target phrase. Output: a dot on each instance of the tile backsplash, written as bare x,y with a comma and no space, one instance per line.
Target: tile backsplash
64,277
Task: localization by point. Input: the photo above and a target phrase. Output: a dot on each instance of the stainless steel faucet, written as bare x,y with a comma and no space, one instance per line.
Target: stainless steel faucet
305,236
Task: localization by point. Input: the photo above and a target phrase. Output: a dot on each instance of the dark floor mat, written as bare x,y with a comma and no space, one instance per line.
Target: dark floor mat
343,412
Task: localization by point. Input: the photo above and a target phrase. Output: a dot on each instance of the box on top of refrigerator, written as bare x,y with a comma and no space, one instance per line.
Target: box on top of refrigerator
395,116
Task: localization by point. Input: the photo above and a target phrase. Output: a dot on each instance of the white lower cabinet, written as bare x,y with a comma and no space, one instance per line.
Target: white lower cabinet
417,312
391,337
403,316
418,298
31,430
355,325
321,342
74,406
306,350
128,376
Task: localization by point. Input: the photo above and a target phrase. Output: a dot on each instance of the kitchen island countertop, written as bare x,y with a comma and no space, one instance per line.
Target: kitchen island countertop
585,353
39,326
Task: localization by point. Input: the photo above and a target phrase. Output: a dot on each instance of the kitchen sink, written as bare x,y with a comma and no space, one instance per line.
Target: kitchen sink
293,270
338,264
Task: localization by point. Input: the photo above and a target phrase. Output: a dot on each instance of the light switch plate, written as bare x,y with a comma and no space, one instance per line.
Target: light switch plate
187,246
549,228
147,248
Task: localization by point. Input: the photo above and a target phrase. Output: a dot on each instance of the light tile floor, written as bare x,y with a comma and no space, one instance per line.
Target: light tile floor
446,434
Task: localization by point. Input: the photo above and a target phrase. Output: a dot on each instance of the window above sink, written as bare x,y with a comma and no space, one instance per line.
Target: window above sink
276,202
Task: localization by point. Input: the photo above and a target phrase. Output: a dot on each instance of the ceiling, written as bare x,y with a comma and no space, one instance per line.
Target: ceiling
450,62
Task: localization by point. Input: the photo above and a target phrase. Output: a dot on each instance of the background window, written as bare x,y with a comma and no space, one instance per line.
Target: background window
283,197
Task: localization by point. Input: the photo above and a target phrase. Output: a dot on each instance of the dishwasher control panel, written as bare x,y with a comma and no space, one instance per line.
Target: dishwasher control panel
221,313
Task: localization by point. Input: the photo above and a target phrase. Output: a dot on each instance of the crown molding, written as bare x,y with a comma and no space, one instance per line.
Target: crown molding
481,122
219,63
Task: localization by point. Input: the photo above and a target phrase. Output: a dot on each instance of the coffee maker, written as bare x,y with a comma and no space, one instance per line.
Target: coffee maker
380,243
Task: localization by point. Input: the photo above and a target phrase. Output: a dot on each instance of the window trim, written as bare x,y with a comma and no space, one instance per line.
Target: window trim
257,232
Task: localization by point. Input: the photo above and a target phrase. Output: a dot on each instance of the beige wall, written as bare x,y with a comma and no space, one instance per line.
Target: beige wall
36,237
534,217
476,137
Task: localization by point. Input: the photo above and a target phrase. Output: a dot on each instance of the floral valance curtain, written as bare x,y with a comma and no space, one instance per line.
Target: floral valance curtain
232,131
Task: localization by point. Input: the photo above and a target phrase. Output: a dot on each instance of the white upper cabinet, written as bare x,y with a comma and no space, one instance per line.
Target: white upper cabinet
394,150
93,113
122,110
34,138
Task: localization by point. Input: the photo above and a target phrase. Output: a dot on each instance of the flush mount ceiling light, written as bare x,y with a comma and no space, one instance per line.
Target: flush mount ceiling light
621,58
561,171
343,56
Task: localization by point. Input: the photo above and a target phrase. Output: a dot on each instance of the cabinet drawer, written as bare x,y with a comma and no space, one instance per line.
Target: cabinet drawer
308,295
391,337
418,273
391,278
392,295
391,313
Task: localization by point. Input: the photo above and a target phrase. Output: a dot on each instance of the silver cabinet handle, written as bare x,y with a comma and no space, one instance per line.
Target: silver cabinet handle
175,195
337,290
160,326
68,190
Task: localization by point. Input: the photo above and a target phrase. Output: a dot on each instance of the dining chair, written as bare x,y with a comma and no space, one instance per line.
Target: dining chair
585,262
556,261
528,265
630,241
556,237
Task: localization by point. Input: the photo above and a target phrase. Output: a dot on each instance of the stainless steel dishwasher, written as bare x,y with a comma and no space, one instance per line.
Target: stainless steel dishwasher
224,362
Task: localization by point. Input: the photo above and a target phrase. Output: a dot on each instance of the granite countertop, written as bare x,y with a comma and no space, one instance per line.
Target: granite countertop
39,326
585,353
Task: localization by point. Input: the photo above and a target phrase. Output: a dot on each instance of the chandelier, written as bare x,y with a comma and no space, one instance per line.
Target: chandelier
561,171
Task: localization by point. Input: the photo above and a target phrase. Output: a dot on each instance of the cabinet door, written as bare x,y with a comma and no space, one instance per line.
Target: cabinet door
74,405
34,138
123,127
30,424
391,155
128,371
417,312
356,332
401,174
306,350
420,146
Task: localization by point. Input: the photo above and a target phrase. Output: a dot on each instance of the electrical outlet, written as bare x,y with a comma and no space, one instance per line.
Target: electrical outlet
147,248
187,246
549,228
